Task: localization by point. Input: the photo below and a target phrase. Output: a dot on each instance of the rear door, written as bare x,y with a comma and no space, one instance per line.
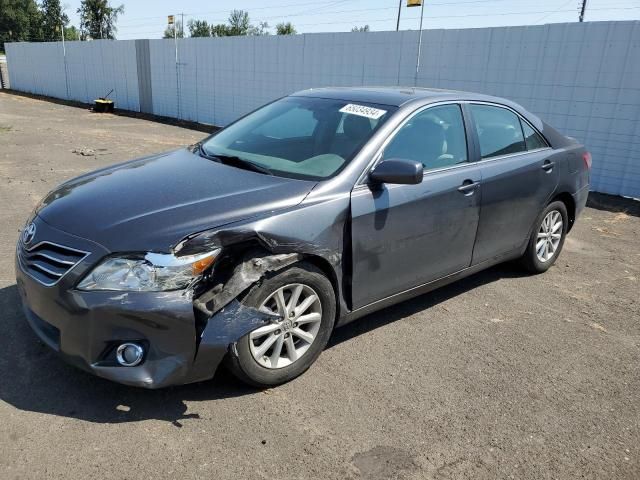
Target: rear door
407,235
518,178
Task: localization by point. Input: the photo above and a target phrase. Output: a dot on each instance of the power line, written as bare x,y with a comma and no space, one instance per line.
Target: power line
350,22
307,12
227,10
276,17
469,15
555,11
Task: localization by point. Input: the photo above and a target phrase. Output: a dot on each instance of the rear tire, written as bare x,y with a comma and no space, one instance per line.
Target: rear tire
278,353
547,238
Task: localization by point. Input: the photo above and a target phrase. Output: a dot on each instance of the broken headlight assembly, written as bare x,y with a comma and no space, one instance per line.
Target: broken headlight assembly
154,272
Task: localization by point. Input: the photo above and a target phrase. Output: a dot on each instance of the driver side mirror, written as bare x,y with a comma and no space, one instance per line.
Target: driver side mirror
397,171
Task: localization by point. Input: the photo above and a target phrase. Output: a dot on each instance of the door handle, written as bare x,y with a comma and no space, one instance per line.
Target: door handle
468,187
547,166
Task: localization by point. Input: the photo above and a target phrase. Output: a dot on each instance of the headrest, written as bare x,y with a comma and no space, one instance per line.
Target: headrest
356,127
429,128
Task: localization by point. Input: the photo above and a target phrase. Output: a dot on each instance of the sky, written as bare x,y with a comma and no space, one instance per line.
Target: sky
148,18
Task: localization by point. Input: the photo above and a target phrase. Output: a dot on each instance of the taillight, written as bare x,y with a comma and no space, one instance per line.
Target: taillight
586,156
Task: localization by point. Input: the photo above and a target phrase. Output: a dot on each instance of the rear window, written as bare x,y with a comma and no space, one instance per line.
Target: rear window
499,131
502,132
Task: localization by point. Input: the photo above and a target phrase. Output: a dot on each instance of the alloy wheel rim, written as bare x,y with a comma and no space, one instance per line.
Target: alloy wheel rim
549,236
284,342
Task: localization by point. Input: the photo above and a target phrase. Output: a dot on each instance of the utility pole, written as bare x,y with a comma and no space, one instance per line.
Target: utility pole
171,20
64,50
175,40
182,26
399,8
420,44
64,59
584,7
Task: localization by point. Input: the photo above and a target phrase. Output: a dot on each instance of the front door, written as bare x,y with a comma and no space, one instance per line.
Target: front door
407,235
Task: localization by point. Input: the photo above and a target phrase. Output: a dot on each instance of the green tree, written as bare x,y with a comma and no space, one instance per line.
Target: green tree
71,33
285,29
262,28
53,18
219,30
360,29
238,23
199,28
98,19
168,32
20,20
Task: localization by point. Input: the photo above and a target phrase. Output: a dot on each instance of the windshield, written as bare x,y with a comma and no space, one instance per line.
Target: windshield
300,137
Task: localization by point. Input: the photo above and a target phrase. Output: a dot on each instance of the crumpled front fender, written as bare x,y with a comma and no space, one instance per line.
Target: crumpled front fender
221,333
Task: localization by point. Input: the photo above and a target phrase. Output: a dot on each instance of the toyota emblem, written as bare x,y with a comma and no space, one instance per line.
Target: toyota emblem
28,233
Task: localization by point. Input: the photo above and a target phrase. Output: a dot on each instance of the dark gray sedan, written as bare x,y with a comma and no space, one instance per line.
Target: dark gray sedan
250,247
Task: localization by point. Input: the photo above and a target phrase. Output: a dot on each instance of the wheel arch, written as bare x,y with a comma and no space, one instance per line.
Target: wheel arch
245,265
570,204
325,267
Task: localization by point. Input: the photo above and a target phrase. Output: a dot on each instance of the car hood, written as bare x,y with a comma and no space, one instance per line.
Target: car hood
152,203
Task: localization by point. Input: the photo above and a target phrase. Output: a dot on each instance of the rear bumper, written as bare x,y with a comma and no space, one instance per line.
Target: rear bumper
85,328
580,199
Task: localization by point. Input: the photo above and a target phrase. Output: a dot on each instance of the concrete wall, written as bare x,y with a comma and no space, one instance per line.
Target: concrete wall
584,79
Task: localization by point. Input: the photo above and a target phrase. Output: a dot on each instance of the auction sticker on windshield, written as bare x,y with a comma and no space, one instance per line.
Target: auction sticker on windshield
362,111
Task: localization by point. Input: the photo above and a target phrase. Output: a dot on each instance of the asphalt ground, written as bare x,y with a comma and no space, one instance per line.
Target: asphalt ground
501,375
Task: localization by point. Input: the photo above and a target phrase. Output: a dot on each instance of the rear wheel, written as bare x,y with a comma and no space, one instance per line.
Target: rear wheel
303,299
547,238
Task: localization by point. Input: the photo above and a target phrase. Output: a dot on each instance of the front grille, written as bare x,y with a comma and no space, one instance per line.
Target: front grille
48,262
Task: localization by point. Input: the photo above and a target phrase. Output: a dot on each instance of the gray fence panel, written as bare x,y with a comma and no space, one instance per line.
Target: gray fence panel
584,79
94,68
37,68
164,80
205,81
143,70
89,70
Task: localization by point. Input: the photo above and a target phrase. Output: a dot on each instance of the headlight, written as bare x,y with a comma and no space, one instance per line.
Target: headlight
153,273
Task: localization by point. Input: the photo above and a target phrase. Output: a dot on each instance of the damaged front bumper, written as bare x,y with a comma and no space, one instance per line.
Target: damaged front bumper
85,328
181,344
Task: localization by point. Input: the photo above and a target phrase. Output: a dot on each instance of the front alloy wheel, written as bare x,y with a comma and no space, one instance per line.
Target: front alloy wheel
280,344
304,301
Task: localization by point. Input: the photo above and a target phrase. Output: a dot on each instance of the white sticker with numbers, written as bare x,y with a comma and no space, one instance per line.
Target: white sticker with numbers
362,111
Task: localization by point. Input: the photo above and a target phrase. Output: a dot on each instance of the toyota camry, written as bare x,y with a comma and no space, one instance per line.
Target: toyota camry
249,248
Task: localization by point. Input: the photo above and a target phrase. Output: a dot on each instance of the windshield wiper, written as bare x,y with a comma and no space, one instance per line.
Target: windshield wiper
235,161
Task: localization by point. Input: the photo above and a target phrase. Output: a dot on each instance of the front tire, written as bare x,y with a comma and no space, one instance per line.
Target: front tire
547,238
279,352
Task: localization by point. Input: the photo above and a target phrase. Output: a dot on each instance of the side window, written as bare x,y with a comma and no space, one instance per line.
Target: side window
294,123
532,138
435,137
498,130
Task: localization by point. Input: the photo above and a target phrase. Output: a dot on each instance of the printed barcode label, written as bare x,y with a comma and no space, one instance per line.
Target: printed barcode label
361,110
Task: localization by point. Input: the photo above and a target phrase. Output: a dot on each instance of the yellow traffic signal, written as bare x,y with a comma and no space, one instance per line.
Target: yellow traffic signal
170,19
414,3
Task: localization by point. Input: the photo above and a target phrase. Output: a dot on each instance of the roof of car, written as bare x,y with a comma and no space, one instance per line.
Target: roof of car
396,96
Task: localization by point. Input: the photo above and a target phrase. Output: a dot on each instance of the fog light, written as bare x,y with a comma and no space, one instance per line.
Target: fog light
129,354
